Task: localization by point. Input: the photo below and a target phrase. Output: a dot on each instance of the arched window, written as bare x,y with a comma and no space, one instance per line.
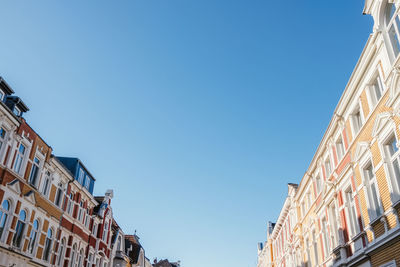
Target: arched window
33,237
80,258
47,245
19,230
73,256
46,184
61,252
392,22
4,210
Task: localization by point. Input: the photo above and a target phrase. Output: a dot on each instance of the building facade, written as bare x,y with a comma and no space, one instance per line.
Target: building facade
48,213
346,209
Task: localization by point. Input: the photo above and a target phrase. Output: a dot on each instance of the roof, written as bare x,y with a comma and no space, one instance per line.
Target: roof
71,163
5,87
133,240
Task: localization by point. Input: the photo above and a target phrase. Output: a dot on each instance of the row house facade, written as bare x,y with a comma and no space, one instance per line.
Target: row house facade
48,213
346,209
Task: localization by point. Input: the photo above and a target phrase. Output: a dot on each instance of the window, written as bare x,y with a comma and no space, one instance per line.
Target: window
315,248
17,111
59,194
351,212
87,218
319,184
374,208
87,182
356,120
73,256
34,171
81,174
333,223
2,137
303,209
393,28
19,230
94,230
1,95
325,238
4,210
80,211
19,158
308,253
308,198
47,245
80,258
90,260
33,237
376,91
339,148
70,203
104,237
328,168
61,252
119,244
392,153
46,184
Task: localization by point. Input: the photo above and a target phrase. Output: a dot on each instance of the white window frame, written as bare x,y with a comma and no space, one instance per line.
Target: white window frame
394,40
375,208
351,211
356,124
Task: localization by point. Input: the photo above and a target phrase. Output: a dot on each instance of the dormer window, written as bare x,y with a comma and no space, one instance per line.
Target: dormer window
81,174
17,111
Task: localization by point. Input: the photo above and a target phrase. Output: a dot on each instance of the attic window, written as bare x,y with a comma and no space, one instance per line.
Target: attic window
17,111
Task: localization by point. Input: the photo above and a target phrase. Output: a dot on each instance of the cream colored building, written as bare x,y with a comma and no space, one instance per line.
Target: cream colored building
345,211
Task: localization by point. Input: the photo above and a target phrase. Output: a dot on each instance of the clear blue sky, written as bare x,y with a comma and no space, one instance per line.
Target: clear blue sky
196,113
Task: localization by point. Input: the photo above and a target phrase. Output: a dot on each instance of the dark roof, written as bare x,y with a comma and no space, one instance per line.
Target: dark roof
12,100
5,87
71,163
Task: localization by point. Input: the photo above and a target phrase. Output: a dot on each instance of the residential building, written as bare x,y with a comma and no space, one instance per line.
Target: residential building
345,210
48,213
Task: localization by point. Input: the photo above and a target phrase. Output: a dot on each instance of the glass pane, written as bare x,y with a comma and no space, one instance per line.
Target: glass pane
6,205
22,215
392,146
2,133
394,40
390,10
